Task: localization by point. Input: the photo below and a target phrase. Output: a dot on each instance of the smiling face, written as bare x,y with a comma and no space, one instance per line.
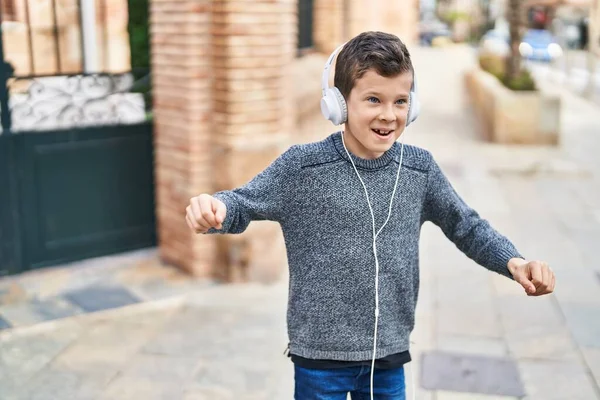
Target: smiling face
377,113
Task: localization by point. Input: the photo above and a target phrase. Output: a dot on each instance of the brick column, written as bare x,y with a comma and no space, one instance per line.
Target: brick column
329,24
223,111
254,45
397,17
183,104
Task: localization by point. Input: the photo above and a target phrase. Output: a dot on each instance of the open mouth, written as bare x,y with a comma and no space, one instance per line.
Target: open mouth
382,133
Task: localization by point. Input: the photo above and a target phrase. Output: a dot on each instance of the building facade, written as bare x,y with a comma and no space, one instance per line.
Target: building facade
101,156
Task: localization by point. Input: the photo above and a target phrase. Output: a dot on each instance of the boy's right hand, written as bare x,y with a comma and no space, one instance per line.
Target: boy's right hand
205,212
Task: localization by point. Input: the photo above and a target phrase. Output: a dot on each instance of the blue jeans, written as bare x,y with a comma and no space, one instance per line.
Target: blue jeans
335,384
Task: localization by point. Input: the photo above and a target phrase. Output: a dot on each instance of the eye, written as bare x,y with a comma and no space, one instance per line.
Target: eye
401,101
373,99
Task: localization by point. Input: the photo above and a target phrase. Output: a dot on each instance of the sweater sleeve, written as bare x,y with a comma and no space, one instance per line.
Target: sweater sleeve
473,235
265,197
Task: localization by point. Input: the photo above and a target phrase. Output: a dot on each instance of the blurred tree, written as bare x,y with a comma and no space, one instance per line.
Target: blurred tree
513,61
138,34
139,43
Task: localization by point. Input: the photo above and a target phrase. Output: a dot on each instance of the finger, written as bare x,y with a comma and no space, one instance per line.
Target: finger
535,269
196,205
523,280
543,288
552,282
194,225
207,212
220,210
196,209
192,222
189,222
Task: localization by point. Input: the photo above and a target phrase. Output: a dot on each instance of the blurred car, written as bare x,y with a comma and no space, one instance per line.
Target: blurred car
540,45
536,44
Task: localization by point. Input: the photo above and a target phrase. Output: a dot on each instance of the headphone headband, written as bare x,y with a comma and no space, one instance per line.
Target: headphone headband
325,78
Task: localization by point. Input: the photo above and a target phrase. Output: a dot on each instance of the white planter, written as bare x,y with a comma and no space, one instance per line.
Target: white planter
514,117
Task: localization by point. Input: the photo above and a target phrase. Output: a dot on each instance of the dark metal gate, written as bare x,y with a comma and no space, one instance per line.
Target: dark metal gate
76,162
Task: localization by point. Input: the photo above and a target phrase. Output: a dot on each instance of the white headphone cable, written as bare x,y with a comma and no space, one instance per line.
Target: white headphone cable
375,235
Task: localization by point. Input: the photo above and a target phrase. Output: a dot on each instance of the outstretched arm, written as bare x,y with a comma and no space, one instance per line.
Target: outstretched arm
263,198
476,238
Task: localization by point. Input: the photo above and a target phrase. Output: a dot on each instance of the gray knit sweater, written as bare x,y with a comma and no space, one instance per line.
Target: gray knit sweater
315,195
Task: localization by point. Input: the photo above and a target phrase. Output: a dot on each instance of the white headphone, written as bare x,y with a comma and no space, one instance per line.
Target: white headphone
333,104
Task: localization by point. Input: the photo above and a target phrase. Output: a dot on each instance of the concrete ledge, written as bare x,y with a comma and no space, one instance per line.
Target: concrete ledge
512,117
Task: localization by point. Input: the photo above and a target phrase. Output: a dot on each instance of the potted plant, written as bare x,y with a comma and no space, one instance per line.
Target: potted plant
510,106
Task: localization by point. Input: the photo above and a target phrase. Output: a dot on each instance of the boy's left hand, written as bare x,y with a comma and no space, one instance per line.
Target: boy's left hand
535,276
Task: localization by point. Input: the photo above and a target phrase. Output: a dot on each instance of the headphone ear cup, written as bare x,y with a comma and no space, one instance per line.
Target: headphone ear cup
414,107
341,102
327,108
333,106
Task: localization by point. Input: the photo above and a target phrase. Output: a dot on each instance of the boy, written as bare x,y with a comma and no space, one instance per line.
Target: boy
351,209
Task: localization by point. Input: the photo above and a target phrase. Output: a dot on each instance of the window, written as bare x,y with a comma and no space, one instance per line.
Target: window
305,24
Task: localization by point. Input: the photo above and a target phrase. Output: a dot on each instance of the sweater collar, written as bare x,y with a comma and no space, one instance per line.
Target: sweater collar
362,163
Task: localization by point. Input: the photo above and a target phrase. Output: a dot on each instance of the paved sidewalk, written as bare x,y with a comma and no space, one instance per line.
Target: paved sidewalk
162,335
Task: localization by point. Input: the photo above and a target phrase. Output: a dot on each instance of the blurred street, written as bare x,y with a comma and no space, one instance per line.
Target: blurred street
180,338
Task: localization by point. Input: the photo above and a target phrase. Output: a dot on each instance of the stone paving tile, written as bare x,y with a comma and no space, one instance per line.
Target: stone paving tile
21,314
552,380
213,393
97,298
476,283
36,310
542,344
470,374
578,286
11,292
22,356
423,335
472,345
129,388
540,312
45,282
587,243
592,360
161,368
157,289
58,384
443,395
248,377
109,345
584,322
471,319
582,221
4,324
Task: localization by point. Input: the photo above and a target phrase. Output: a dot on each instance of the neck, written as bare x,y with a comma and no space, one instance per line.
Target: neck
356,148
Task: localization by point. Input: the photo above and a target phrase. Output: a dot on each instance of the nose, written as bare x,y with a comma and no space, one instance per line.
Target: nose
387,114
